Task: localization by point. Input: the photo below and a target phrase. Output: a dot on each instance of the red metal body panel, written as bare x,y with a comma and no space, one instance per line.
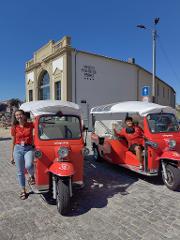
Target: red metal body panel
131,159
48,162
63,169
170,155
116,151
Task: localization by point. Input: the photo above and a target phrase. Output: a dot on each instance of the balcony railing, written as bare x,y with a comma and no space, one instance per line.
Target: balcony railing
29,63
57,45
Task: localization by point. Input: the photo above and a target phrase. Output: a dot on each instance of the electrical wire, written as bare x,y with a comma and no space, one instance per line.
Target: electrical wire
168,59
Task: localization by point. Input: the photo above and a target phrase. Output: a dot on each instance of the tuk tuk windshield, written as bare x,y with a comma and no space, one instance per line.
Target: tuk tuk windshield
59,127
162,122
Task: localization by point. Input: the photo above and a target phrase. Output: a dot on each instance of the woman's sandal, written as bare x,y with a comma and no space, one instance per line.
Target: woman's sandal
23,195
31,180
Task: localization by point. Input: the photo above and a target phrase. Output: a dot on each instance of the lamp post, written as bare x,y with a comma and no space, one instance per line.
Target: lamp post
154,37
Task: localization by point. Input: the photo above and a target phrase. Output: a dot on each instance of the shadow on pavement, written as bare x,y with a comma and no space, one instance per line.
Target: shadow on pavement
102,181
5,139
155,180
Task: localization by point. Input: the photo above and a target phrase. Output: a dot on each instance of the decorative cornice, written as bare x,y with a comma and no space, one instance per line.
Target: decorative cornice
35,65
50,57
57,71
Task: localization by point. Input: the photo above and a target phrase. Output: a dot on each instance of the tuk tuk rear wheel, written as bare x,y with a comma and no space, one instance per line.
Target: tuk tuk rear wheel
63,196
96,154
173,177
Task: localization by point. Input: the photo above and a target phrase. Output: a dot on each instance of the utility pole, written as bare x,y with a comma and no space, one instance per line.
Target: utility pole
154,37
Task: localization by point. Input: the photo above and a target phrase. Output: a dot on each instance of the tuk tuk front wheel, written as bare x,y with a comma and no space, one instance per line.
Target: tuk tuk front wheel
63,196
173,177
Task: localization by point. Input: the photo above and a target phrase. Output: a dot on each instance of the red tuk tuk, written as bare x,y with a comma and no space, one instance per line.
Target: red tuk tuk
161,138
59,148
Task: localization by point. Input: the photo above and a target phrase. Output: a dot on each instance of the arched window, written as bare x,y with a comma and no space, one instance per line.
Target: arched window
44,87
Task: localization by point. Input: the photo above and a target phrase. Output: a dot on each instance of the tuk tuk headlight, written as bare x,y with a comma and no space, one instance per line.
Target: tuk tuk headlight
172,143
38,154
63,152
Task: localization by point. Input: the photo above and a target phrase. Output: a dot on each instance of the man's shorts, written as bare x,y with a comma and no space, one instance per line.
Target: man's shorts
132,147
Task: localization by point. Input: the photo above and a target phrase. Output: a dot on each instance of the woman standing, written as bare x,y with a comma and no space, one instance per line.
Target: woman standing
22,149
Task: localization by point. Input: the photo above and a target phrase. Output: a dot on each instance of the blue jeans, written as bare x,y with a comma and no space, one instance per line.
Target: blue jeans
23,157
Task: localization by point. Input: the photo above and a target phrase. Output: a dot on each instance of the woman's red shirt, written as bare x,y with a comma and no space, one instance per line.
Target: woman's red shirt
23,133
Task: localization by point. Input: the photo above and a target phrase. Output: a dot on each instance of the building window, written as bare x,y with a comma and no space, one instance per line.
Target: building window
30,95
44,87
58,90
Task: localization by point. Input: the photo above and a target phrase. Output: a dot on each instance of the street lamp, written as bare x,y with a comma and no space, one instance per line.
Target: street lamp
154,37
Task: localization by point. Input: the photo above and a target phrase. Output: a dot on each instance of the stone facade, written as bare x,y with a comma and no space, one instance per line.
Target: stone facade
53,60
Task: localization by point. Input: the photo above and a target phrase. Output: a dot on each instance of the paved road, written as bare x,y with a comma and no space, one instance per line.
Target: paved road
115,204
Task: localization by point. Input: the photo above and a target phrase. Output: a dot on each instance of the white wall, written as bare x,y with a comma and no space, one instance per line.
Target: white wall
112,80
57,64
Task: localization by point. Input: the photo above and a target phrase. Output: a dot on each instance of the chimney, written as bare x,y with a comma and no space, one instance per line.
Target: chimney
66,41
131,60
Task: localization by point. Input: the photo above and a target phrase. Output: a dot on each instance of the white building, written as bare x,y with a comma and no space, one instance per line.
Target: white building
58,71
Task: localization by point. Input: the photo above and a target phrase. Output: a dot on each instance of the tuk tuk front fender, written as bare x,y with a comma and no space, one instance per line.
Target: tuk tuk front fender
62,169
170,155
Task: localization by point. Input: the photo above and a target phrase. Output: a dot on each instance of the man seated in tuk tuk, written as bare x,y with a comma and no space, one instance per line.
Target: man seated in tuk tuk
134,135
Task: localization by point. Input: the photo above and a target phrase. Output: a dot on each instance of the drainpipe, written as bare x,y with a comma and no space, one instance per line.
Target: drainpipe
75,92
138,70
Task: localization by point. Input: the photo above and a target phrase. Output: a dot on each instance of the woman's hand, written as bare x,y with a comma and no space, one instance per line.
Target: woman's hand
12,161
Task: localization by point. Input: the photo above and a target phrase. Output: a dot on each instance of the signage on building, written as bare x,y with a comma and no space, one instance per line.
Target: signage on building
89,72
145,91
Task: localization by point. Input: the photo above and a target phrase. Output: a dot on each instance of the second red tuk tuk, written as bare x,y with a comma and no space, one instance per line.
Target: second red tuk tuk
161,153
59,148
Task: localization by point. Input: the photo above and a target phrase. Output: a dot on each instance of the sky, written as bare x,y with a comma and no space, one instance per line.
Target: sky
106,27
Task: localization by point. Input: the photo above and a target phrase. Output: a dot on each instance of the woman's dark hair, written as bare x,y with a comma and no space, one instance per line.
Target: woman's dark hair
14,120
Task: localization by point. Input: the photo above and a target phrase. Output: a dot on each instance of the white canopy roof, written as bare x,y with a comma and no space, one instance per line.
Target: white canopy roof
142,108
50,107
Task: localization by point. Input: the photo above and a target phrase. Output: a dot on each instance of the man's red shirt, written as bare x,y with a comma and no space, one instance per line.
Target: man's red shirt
132,138
23,134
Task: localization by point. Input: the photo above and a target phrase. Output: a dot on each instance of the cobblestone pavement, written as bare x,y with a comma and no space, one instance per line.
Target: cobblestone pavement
115,204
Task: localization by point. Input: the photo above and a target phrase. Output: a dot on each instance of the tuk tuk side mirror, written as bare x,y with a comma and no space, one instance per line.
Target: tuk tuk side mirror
85,128
151,144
